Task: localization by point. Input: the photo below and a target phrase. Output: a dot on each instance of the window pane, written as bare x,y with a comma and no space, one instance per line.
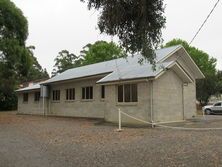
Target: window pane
67,92
217,104
59,94
134,93
25,97
54,95
91,92
120,93
83,93
73,94
70,94
37,96
87,92
102,91
127,93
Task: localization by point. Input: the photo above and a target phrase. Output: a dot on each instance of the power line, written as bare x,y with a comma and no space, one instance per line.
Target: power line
204,21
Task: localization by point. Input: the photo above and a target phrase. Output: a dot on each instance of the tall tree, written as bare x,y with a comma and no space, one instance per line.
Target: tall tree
13,25
208,86
100,51
92,53
219,82
36,72
16,60
137,23
13,33
65,61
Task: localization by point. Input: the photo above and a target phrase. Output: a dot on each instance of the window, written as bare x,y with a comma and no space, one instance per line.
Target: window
120,93
87,92
217,104
70,94
37,96
25,97
127,93
103,92
56,95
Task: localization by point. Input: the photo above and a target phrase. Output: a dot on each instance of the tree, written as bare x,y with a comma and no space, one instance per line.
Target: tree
208,86
15,63
36,71
100,51
92,53
219,82
65,61
13,33
13,25
16,60
137,23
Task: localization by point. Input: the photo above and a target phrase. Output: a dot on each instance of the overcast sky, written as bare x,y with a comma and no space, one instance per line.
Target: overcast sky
67,24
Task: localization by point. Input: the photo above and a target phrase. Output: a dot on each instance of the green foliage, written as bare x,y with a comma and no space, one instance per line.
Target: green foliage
16,60
13,25
65,61
208,86
92,53
206,63
36,72
13,33
137,23
100,51
219,82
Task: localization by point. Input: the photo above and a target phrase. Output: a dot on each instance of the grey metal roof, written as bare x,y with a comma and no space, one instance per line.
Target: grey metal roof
161,53
107,66
32,87
122,68
135,71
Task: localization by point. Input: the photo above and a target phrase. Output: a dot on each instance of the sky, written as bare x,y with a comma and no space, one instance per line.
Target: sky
55,25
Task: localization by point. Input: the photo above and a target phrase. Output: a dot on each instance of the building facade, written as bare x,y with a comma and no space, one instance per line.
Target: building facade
166,94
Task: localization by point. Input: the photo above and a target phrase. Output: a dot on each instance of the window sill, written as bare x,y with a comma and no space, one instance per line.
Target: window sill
55,101
69,101
127,103
25,102
87,100
102,100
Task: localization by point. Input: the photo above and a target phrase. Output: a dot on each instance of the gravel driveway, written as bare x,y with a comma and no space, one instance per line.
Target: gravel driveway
34,141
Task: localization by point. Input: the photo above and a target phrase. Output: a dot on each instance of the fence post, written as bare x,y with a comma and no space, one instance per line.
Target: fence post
120,129
203,112
152,124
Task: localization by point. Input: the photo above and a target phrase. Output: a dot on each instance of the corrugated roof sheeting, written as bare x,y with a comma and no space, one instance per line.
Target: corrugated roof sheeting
32,87
124,68
134,72
108,66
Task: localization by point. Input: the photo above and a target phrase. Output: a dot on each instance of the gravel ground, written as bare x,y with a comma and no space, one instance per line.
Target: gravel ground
34,141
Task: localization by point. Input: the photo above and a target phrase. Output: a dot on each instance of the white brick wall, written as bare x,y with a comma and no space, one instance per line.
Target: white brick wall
167,98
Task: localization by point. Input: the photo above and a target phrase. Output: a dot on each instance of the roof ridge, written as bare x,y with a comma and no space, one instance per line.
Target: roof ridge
128,56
